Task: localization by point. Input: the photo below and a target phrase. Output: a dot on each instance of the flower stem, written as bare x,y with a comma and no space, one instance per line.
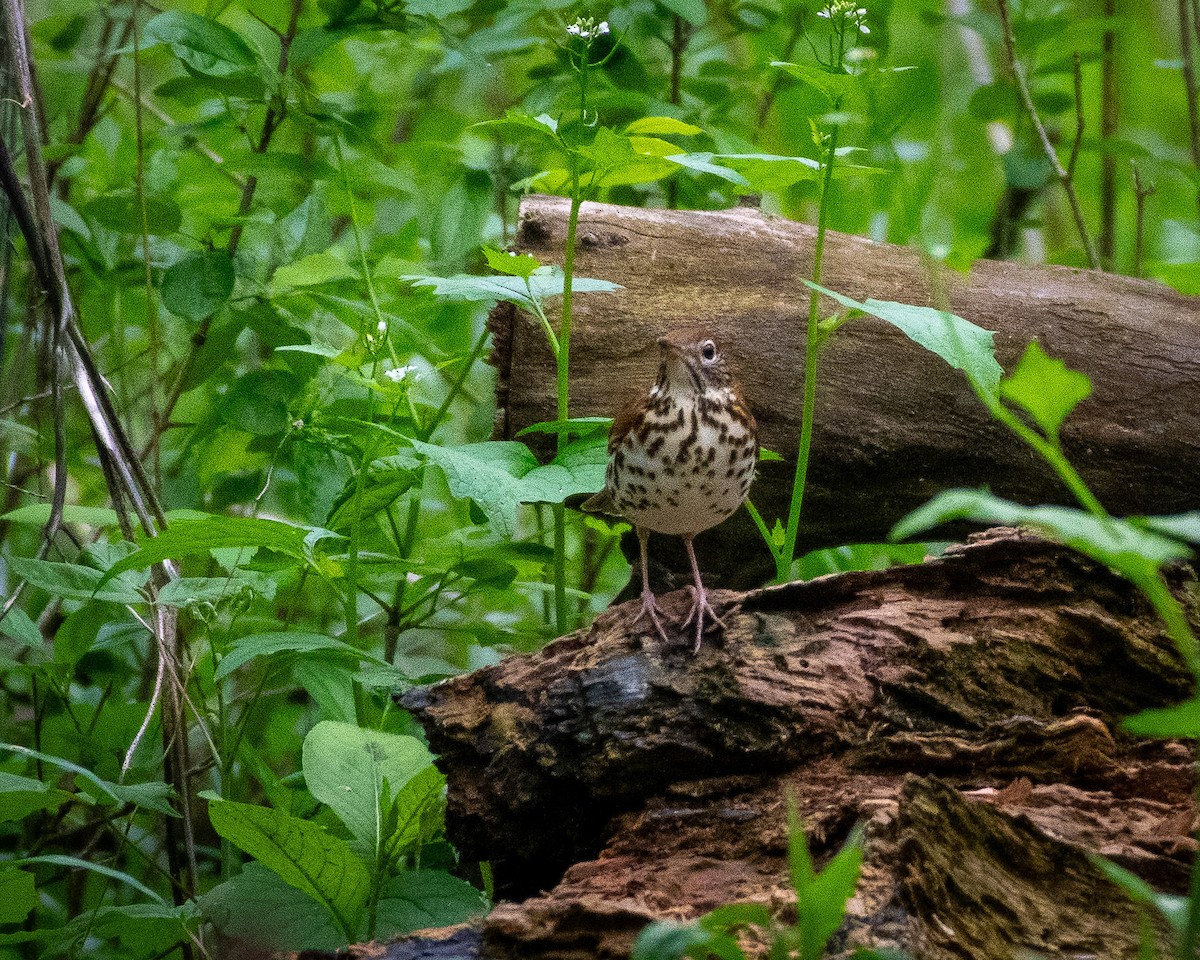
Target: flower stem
787,553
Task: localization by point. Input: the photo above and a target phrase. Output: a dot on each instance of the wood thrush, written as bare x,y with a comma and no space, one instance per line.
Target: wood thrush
681,459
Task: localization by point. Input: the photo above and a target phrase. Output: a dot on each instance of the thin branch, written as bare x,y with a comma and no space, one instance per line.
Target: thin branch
1189,82
1140,193
1027,101
1109,111
1077,70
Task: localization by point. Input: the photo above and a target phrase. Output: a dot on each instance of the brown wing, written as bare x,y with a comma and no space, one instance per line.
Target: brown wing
624,422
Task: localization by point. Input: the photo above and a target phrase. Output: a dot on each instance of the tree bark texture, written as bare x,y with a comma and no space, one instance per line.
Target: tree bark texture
894,424
966,710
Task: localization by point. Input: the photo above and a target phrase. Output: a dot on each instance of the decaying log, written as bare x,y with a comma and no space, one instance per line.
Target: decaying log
611,779
894,424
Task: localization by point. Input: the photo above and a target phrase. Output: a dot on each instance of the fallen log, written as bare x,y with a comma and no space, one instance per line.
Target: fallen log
894,424
611,779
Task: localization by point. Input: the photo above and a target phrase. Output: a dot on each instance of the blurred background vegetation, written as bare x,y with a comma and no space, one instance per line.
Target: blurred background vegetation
240,188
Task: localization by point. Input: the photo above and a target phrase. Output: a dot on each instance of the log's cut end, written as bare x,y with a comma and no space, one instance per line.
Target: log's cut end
612,779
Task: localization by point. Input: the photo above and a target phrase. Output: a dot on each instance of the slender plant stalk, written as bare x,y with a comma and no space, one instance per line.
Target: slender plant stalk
1109,109
787,553
1047,147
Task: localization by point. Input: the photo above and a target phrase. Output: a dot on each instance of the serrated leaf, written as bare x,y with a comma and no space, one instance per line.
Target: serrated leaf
197,286
314,270
833,86
204,45
544,282
257,645
510,263
959,342
303,854
346,767
1116,543
1045,388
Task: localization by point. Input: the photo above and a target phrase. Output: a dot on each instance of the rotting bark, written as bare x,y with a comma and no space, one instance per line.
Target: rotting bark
894,424
612,780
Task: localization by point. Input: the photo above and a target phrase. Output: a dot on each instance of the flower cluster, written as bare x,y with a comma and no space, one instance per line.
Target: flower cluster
586,28
845,10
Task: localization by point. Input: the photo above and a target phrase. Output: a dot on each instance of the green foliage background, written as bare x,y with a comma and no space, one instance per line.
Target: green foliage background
240,189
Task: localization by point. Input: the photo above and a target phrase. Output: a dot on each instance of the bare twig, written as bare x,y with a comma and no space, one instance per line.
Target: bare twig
1077,71
1189,82
1109,111
1140,193
1047,146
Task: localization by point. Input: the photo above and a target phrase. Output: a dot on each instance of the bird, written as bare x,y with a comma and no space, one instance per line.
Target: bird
681,459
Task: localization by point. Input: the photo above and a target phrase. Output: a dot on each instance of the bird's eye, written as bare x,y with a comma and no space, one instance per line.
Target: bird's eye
709,351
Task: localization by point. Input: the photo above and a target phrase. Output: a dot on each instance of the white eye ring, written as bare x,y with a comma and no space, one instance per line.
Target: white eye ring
708,350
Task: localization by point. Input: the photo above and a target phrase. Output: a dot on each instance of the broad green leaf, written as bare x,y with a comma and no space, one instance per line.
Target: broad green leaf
74,582
661,126
511,263
669,940
959,342
516,123
186,591
238,905
302,853
256,645
1181,720
421,899
18,895
21,796
1182,526
703,163
197,286
190,537
734,915
345,767
766,172
614,161
415,814
206,46
833,86
121,212
153,795
39,514
501,475
1045,388
544,282
143,930
310,271
1116,543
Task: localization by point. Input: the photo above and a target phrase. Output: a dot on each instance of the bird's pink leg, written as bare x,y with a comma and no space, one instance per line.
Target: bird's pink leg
650,608
700,604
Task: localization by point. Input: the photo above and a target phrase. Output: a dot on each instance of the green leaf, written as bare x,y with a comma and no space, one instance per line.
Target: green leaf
206,46
21,796
421,899
257,645
1045,388
833,86
74,582
959,342
18,895
302,853
121,212
153,795
238,905
185,591
1181,720
615,162
1182,526
661,126
415,814
499,475
39,514
1174,909
822,908
702,163
668,940
516,123
75,863
1119,544
381,489
544,282
197,286
693,11
314,270
190,537
345,767
511,263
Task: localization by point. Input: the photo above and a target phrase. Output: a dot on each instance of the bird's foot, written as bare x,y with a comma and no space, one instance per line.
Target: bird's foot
651,611
701,606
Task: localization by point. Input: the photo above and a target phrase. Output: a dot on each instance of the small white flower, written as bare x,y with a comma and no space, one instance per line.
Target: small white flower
382,327
863,28
823,14
400,373
860,12
602,30
575,30
297,424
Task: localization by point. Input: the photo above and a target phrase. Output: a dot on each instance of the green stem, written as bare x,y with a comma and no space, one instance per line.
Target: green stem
787,553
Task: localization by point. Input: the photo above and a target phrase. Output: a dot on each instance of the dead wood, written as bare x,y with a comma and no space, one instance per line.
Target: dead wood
894,424
611,780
